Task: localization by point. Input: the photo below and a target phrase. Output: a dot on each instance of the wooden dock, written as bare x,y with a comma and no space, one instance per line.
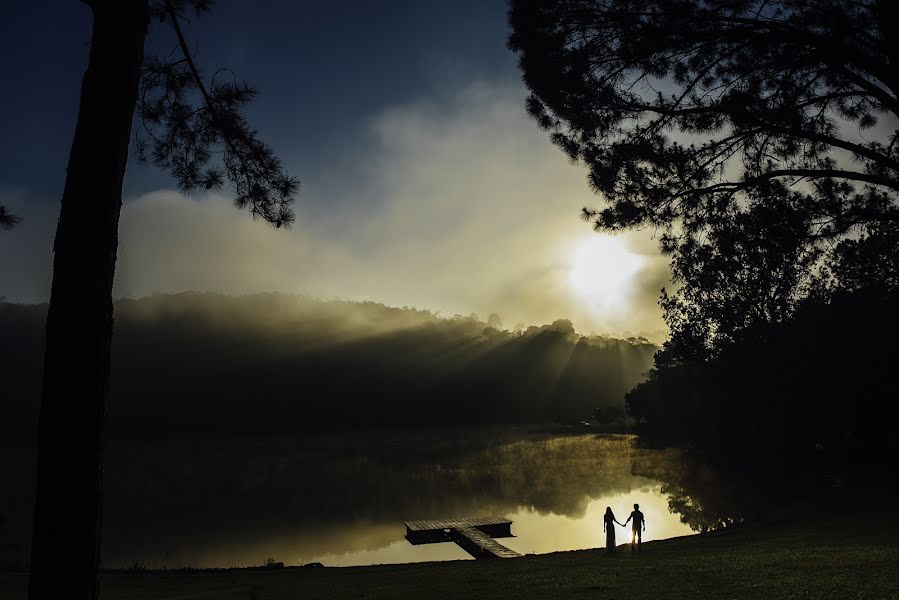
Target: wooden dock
474,535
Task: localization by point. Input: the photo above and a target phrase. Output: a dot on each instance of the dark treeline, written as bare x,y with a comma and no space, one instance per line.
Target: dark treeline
732,375
206,364
829,402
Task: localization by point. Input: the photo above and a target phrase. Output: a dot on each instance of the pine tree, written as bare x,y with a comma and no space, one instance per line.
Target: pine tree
184,125
686,111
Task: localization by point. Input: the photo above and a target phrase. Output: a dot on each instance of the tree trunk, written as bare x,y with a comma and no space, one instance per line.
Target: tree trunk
65,553
887,14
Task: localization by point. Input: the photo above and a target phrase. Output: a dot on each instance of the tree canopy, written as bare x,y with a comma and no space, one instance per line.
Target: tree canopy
687,110
8,220
751,268
184,123
198,131
759,139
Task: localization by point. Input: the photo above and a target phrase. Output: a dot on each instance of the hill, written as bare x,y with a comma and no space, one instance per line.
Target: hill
198,363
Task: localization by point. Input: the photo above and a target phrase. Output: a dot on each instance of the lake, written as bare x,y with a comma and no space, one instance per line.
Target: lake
341,499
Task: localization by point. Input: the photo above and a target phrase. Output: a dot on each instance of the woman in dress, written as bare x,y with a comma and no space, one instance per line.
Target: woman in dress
608,522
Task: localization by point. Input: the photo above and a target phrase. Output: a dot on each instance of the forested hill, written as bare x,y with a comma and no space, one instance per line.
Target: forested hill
207,363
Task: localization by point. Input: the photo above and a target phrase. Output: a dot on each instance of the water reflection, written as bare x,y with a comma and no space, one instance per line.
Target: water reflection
538,532
342,499
541,533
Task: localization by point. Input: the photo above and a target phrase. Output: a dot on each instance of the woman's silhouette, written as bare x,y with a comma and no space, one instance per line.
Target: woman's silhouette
608,522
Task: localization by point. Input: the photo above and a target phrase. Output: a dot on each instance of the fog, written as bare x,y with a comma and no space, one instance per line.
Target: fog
207,365
456,207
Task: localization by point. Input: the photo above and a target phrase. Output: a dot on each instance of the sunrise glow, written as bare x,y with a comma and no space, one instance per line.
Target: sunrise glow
603,271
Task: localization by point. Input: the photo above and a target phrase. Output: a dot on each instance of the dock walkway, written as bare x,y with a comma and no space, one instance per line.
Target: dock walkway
474,535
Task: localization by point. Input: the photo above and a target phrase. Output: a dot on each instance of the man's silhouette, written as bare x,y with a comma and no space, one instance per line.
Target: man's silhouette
637,528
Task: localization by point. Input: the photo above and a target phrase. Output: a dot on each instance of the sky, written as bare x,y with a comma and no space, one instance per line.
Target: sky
424,183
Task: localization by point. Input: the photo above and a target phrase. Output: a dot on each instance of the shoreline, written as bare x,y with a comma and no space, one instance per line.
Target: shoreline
824,553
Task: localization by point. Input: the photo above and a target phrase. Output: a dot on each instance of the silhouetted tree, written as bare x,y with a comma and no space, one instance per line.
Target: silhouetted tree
751,268
869,262
7,219
780,390
184,124
759,138
684,109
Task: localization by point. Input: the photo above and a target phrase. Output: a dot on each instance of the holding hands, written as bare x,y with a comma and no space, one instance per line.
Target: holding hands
614,521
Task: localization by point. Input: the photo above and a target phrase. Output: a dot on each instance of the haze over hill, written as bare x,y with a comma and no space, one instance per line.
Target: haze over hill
388,219
220,365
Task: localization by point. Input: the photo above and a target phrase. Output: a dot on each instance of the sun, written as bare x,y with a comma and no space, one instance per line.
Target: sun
603,271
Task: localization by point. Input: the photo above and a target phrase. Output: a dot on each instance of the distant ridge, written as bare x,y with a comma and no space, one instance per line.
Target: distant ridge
221,365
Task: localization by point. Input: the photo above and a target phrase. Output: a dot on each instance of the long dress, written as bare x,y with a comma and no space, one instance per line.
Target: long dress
610,533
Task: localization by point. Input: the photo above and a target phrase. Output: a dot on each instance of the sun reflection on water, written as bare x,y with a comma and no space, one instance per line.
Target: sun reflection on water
341,499
536,533
540,533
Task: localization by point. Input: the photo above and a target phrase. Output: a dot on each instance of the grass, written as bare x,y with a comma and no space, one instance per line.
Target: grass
837,553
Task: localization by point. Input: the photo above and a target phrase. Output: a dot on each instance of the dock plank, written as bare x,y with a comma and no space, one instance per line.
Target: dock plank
483,543
427,525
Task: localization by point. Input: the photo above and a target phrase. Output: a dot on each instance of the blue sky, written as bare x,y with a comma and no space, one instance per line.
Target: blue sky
322,68
424,182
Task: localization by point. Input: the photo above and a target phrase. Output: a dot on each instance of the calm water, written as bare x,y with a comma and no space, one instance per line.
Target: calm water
342,499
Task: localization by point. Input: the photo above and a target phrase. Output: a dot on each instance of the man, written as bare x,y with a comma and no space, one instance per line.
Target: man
638,527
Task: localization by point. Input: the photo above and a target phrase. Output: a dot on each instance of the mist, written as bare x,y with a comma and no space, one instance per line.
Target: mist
458,207
209,365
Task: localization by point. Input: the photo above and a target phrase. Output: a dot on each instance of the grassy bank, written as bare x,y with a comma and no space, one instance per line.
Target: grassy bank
836,553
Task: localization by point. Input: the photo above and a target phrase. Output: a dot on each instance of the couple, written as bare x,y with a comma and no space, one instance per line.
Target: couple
638,527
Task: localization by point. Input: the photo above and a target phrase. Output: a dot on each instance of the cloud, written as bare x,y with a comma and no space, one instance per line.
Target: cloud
462,206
